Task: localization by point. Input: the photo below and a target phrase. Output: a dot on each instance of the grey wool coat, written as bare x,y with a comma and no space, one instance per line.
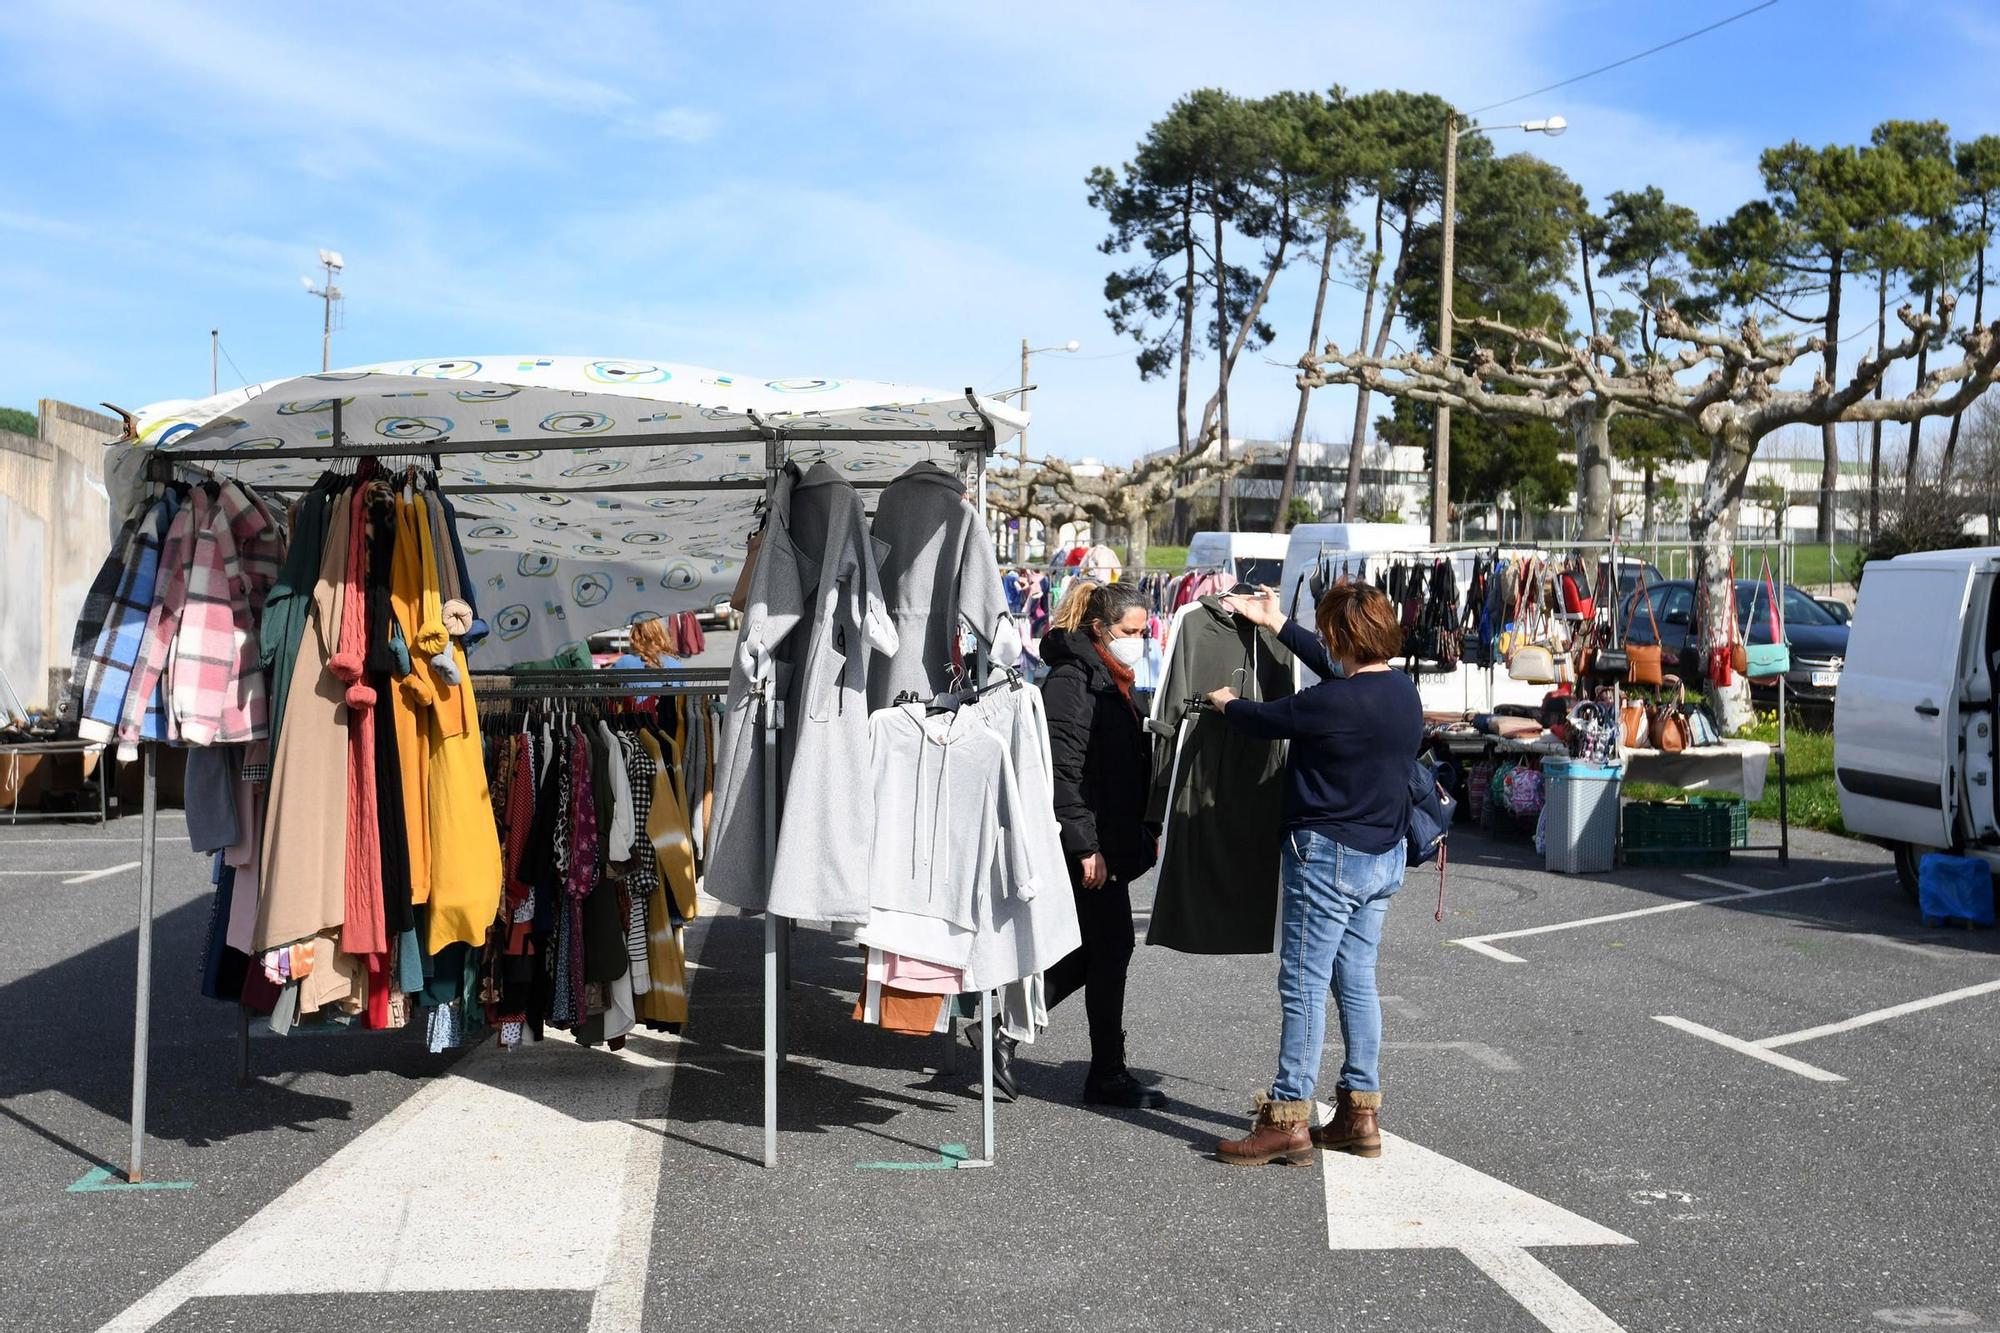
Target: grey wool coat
814,621
938,573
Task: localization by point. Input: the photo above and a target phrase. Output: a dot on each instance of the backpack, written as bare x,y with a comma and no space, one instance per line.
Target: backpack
1431,811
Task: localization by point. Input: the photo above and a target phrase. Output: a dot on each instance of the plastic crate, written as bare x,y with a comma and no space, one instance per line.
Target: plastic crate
1581,836
1739,815
1671,833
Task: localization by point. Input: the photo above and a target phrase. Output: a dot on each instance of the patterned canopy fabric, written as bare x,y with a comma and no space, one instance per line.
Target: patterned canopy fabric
564,470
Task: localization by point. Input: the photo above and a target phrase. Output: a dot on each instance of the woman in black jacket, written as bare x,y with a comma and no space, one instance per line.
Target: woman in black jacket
1103,769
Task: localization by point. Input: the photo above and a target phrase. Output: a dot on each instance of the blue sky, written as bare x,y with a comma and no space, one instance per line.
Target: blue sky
886,191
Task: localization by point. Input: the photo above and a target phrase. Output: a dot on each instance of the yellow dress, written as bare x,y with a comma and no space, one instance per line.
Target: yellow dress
466,868
412,700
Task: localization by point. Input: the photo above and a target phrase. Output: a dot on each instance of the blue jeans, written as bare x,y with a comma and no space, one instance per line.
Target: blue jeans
1333,905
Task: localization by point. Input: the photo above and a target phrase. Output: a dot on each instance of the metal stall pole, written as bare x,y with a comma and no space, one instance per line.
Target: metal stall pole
773,997
1784,782
142,1011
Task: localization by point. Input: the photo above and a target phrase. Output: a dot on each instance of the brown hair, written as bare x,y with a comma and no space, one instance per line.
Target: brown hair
1359,624
1075,607
649,641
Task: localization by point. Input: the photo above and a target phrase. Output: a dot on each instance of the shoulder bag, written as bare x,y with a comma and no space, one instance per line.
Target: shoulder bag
1767,662
1633,729
1643,659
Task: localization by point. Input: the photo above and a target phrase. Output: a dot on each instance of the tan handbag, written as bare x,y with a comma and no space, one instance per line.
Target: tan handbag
1633,731
1670,727
1534,657
1645,659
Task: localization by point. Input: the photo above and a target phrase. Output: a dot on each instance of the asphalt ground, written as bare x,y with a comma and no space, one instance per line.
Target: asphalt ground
1755,1197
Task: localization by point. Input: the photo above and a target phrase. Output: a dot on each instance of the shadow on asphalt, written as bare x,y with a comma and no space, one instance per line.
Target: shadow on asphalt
71,1033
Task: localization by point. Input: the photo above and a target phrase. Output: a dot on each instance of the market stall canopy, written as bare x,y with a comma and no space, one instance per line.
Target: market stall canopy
588,489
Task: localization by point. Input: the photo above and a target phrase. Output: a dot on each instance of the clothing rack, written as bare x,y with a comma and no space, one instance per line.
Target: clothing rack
973,445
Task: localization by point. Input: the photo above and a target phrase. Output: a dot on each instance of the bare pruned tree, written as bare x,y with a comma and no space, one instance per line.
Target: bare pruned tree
1121,497
1725,383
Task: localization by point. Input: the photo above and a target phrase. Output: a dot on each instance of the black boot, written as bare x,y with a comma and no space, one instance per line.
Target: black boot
1005,1086
1110,1083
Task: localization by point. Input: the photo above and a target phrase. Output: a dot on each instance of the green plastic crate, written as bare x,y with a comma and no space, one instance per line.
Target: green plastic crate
1739,815
1671,833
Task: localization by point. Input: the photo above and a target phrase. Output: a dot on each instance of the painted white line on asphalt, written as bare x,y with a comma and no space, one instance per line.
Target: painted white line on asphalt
1721,883
1475,941
1481,946
63,842
1554,1303
90,875
1879,1015
529,1153
1413,1198
1908,946
1751,1049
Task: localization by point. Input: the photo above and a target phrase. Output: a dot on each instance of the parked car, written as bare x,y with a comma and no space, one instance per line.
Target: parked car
1630,570
1914,757
1819,642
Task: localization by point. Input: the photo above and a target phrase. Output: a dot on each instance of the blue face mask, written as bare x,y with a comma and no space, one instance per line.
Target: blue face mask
1339,670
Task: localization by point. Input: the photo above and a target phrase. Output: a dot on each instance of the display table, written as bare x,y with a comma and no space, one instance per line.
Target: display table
1738,766
30,768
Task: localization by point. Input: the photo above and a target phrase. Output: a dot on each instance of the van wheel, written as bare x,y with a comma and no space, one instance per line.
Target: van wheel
1908,857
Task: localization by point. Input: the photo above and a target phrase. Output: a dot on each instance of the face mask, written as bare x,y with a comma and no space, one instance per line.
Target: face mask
1129,652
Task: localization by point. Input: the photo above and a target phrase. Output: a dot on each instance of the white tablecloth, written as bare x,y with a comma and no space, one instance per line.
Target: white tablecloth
1738,766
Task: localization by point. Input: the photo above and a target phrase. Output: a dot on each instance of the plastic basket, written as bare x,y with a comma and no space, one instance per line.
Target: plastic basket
1582,829
1671,833
1739,815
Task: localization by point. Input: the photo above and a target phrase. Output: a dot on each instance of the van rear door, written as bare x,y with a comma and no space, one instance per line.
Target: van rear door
1895,720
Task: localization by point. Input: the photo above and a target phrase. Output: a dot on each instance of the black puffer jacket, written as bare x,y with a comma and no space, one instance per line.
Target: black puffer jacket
1103,760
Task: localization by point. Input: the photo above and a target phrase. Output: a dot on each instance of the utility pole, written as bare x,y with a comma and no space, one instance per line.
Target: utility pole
329,296
214,350
1441,450
1021,532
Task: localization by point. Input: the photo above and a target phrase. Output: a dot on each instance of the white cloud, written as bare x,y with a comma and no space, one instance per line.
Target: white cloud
677,124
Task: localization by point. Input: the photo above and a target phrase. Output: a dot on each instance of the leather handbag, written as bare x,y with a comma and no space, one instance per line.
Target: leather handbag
1534,663
1575,599
1702,731
1669,725
1645,659
1767,662
1633,729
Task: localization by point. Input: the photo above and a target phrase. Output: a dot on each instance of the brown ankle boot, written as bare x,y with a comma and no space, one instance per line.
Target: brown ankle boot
1353,1128
1278,1135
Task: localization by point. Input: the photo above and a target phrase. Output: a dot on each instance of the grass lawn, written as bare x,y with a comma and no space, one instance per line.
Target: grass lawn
1809,765
1166,557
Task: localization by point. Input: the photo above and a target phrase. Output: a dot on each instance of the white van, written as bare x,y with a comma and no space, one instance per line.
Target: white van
1245,557
1309,541
1913,722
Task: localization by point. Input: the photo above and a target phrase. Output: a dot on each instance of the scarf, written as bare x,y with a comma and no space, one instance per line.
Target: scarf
1124,675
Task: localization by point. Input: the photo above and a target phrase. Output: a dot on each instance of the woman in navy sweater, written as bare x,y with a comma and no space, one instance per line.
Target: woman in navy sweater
1347,809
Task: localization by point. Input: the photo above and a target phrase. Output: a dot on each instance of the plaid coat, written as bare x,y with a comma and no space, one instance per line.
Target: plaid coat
96,610
146,716
107,669
215,682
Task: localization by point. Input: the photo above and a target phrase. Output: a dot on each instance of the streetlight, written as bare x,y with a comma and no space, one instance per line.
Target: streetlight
329,295
1441,464
1021,531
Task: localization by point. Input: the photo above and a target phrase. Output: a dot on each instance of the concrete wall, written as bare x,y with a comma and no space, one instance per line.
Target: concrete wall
54,534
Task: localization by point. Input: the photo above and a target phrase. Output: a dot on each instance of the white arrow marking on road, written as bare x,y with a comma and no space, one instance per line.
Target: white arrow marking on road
1413,1198
105,873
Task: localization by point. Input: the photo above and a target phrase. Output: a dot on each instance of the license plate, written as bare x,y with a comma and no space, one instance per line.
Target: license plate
1825,680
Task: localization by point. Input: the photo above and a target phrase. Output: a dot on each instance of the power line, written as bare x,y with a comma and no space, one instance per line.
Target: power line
1603,69
243,380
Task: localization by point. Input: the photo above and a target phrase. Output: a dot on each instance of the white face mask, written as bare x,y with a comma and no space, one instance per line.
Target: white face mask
1128,651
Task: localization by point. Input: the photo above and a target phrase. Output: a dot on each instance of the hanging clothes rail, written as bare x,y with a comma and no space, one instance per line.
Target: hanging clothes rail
973,444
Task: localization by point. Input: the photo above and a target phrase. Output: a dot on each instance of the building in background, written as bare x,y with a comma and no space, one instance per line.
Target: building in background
54,534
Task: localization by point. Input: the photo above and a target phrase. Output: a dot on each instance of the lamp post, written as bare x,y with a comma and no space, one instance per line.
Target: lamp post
1441,451
1021,532
328,295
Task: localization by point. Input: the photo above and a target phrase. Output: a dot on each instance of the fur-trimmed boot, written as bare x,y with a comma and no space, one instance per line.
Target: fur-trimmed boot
1279,1134
1353,1128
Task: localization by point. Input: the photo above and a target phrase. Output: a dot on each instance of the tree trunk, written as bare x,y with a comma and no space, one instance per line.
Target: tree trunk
1649,531
1225,514
1187,345
1290,482
1978,320
1917,427
1357,438
1829,475
1139,539
1592,431
1712,526
1875,431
